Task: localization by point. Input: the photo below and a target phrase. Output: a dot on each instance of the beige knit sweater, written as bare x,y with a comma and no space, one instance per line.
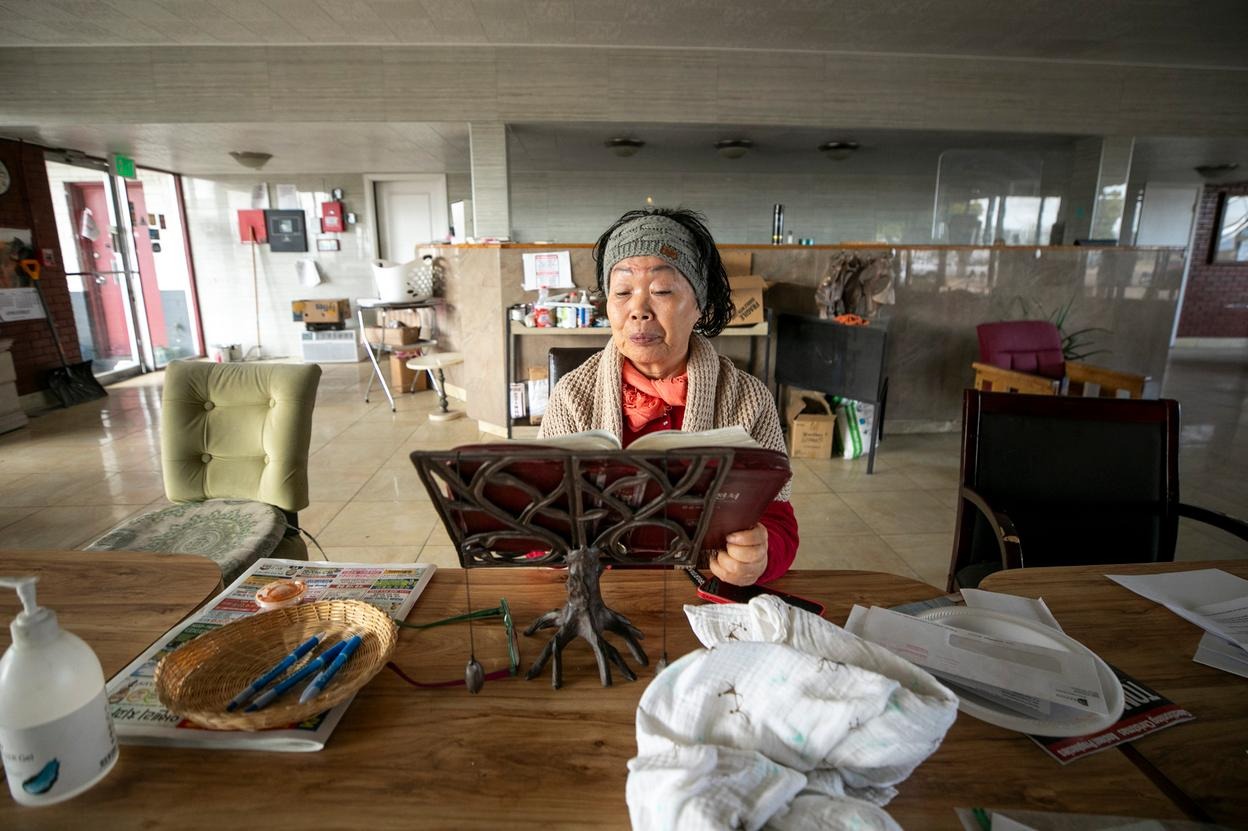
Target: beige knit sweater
720,395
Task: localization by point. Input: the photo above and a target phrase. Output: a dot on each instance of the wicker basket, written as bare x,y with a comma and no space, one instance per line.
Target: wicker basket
198,680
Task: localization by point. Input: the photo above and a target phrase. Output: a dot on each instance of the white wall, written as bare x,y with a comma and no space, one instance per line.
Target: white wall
223,265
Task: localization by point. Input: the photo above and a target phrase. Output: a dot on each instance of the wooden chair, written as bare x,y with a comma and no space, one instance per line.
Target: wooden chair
1049,481
1026,356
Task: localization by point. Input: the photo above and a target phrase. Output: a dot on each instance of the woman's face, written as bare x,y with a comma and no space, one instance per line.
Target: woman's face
652,309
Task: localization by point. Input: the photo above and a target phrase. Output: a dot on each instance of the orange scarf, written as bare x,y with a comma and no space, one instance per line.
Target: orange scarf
645,399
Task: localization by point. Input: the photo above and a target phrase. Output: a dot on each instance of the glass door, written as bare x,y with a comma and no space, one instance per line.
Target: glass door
167,303
95,256
124,246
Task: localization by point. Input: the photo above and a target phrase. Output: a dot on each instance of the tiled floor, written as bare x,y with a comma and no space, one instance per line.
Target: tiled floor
73,474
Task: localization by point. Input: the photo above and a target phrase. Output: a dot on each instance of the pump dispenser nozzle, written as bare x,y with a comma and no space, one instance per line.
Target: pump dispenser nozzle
34,623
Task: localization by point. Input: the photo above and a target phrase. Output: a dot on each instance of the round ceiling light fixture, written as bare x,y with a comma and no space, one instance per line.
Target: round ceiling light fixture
1216,171
840,150
733,148
624,147
251,158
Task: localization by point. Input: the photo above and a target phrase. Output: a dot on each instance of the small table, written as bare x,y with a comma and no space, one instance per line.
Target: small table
433,363
375,350
1204,762
519,754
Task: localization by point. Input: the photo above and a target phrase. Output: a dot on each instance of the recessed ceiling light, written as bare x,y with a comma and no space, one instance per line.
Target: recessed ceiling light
624,147
251,158
733,148
838,150
1213,171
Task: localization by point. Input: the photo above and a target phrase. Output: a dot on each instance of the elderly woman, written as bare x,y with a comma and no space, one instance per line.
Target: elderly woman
667,293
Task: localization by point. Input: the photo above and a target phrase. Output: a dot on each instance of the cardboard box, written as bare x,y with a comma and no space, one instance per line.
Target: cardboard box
403,379
538,392
737,263
811,424
391,336
403,317
334,310
747,295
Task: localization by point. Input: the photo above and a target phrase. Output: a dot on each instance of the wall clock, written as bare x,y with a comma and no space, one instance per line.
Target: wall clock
6,180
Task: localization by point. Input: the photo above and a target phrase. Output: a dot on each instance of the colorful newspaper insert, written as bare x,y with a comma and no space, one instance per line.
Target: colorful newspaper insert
138,714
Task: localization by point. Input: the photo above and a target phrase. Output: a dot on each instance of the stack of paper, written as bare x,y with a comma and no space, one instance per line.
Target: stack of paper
1211,598
1026,678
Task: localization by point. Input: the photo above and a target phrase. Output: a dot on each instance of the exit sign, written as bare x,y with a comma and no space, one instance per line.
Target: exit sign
123,166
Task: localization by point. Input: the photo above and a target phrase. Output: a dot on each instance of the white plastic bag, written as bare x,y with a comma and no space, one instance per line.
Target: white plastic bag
855,427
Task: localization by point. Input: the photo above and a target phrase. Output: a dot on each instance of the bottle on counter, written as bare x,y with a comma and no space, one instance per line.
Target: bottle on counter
788,239
777,224
56,733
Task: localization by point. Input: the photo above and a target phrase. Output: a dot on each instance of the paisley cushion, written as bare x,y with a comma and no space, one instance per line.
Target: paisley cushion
234,533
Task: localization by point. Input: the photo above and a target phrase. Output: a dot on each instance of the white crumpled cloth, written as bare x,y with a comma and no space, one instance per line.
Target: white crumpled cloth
785,720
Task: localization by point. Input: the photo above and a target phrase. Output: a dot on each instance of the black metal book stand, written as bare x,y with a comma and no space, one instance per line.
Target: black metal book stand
546,506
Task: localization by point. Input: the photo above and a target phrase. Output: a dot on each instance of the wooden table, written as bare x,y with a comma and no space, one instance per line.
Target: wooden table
523,755
1206,760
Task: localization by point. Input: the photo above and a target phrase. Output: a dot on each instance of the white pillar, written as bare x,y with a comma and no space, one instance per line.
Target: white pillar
491,192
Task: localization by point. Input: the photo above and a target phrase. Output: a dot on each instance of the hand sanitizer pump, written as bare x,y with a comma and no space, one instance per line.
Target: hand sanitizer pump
56,734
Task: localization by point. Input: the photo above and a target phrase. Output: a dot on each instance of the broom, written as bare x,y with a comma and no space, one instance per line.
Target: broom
70,383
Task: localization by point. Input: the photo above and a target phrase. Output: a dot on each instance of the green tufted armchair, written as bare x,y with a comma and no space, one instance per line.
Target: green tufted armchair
234,450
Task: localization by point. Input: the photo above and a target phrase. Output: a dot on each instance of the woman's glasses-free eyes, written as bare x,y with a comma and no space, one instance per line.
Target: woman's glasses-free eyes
502,610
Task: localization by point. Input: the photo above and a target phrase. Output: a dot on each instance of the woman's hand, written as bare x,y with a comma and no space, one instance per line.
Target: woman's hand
746,558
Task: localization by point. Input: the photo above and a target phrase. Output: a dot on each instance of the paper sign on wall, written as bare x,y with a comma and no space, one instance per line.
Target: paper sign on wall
552,270
20,304
287,198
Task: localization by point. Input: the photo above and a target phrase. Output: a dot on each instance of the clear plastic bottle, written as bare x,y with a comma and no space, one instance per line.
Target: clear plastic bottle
56,733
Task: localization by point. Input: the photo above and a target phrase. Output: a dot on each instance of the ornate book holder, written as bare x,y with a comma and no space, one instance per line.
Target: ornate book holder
542,506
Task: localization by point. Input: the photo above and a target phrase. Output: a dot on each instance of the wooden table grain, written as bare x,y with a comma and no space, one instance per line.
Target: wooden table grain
521,755
117,601
1206,759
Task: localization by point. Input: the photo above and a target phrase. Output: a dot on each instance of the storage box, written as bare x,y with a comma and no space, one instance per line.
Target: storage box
403,317
331,347
737,263
538,392
811,425
747,295
335,310
392,336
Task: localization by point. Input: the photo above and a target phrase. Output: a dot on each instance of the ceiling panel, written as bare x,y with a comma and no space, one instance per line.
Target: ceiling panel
1166,32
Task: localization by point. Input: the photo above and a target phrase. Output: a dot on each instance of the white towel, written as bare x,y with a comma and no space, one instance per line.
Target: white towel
784,720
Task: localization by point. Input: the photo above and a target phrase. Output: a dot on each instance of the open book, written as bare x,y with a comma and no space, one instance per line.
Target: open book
734,436
526,487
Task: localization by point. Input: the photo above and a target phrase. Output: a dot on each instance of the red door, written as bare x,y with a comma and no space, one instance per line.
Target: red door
147,264
105,301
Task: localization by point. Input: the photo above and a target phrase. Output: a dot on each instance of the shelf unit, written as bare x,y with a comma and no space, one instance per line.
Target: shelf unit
515,329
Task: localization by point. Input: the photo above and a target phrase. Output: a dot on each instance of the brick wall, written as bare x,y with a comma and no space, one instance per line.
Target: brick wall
29,202
1215,304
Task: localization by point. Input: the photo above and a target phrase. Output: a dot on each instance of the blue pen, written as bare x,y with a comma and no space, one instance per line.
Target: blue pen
315,665
283,665
318,683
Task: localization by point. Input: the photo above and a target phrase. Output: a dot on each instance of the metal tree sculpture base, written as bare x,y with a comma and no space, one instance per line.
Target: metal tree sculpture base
586,616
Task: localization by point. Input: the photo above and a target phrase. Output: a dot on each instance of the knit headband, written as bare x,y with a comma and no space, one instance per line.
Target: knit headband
655,235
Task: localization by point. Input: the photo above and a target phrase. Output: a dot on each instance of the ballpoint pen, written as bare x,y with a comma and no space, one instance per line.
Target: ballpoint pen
315,665
319,682
283,665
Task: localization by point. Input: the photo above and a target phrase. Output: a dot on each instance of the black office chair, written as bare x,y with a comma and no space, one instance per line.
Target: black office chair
1055,481
564,359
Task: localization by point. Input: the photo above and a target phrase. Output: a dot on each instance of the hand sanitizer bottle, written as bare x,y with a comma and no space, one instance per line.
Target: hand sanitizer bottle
56,734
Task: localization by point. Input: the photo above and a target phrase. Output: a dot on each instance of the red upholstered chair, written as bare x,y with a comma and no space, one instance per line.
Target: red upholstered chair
1026,356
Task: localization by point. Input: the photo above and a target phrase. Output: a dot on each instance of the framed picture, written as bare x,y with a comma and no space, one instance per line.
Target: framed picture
327,245
288,230
1230,243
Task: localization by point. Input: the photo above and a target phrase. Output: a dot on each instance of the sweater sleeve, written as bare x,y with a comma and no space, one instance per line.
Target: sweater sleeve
782,540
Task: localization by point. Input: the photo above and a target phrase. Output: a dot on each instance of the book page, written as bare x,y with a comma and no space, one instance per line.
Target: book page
586,440
734,436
